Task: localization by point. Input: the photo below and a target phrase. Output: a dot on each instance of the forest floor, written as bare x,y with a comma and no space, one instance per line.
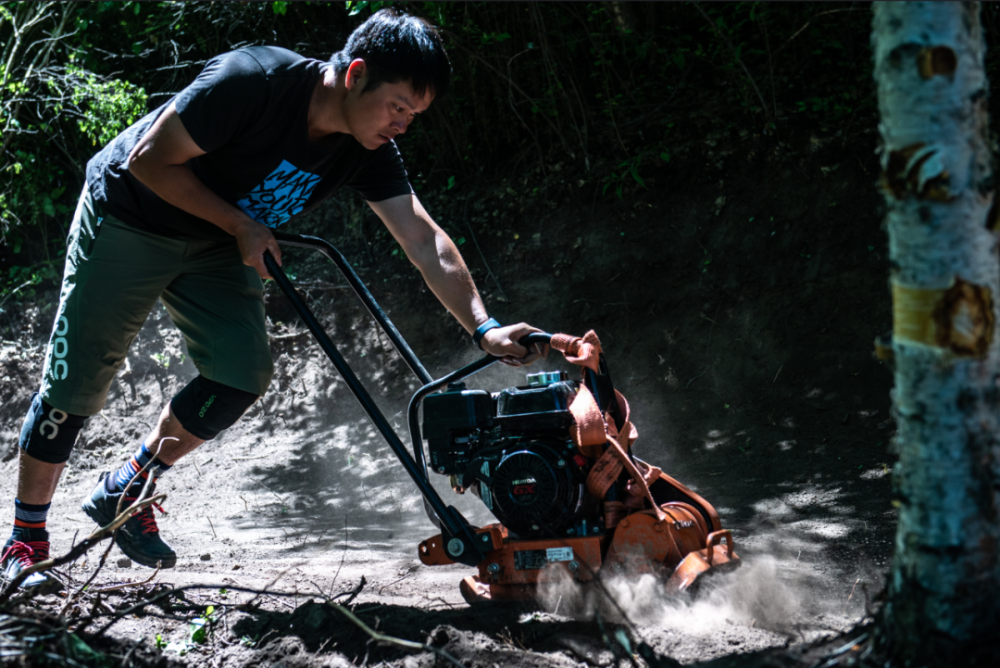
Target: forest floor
737,297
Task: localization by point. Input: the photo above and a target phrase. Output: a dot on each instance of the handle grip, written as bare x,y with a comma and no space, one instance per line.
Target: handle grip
715,538
535,337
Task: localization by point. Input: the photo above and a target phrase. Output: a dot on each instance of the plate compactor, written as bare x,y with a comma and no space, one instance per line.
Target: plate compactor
552,460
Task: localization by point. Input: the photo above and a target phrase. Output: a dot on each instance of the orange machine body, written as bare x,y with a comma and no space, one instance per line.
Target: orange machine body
679,549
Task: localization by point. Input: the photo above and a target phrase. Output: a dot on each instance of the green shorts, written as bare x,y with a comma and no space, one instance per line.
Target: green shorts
114,275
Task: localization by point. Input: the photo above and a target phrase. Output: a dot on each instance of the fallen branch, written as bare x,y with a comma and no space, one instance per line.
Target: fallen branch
120,614
80,548
381,637
271,584
118,512
126,585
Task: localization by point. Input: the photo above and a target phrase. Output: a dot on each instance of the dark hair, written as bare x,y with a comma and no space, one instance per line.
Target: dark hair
398,47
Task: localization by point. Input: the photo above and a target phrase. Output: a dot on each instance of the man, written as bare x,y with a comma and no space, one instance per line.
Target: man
178,208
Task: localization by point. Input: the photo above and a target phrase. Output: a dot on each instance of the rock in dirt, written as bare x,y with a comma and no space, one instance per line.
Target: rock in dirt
206,557
124,562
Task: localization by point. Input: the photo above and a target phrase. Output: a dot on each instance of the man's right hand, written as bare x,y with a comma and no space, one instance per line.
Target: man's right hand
254,238
159,161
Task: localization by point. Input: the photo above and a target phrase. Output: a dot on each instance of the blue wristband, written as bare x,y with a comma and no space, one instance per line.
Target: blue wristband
477,336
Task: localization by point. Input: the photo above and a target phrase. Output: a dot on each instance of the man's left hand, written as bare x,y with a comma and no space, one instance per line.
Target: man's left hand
502,342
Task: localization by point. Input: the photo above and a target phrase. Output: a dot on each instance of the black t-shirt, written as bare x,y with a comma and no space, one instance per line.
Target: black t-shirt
248,110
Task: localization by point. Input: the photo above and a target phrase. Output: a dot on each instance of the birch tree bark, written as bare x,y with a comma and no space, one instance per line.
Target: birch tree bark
944,588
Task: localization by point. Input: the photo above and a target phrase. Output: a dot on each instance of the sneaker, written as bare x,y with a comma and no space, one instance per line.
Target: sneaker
139,538
24,549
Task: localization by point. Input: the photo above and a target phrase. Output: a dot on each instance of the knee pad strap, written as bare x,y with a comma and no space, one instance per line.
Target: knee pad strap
205,407
47,433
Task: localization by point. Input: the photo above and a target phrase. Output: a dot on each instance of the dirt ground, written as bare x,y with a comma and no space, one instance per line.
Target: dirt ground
737,298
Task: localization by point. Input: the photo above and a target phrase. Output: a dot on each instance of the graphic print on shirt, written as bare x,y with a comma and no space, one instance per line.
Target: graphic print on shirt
280,196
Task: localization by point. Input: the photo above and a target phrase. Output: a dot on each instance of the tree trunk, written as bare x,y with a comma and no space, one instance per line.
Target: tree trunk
944,589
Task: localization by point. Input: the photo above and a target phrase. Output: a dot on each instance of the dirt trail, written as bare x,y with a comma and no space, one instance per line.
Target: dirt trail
740,332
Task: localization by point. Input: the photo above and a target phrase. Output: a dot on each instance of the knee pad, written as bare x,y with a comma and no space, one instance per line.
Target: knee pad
47,433
205,407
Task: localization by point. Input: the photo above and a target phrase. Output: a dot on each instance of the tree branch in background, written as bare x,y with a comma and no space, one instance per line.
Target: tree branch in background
768,114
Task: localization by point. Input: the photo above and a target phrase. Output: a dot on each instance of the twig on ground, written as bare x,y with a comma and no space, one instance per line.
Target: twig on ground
351,595
276,495
153,600
399,642
126,585
438,598
118,511
79,590
83,546
213,528
852,592
343,555
272,583
695,378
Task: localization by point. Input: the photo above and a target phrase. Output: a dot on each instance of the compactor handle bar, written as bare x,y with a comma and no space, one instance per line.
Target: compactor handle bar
447,518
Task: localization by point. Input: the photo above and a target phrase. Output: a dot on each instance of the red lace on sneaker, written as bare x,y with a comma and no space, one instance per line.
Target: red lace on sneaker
147,520
27,554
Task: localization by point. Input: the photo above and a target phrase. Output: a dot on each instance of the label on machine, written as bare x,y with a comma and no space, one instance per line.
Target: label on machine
526,560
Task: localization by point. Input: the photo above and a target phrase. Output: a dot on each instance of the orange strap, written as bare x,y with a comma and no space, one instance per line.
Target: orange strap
582,352
591,430
674,554
638,490
588,428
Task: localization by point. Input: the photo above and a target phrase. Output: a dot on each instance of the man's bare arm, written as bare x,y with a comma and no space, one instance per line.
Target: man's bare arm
433,252
159,161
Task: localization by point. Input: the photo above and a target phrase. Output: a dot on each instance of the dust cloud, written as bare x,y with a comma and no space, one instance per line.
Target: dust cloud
766,594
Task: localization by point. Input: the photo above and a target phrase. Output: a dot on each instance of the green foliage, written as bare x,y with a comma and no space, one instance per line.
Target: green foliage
596,86
355,7
82,652
107,107
620,176
201,627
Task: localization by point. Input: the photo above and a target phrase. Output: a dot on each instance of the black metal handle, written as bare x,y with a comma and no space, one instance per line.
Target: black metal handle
535,337
452,523
325,247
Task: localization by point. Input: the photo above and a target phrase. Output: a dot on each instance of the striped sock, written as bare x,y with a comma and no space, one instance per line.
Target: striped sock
130,468
30,515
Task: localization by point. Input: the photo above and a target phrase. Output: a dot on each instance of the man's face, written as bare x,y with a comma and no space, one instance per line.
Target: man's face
379,115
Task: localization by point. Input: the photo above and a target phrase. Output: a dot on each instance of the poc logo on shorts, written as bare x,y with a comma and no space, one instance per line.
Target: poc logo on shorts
60,348
56,418
204,409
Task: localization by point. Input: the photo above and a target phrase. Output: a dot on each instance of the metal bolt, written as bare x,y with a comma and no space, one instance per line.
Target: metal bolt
493,569
486,538
570,531
573,567
455,547
595,529
561,463
534,527
440,469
